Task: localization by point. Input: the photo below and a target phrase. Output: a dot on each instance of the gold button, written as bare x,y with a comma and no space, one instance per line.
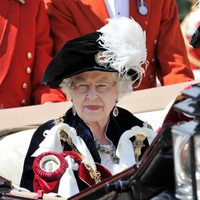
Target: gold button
155,42
153,60
151,78
28,70
29,55
24,85
23,102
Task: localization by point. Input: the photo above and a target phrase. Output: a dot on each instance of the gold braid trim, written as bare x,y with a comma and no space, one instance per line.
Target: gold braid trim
65,137
94,174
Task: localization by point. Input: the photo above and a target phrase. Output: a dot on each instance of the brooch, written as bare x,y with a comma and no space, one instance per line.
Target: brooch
101,58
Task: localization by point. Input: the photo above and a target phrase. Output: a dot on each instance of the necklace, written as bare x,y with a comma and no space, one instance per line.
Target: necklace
111,151
103,149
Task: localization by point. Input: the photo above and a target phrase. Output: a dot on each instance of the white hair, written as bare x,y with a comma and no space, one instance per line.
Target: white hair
123,85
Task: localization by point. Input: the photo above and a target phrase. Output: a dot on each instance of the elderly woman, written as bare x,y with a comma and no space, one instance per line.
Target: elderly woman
94,139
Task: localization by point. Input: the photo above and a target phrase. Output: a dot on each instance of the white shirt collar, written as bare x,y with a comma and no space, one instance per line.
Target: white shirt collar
117,8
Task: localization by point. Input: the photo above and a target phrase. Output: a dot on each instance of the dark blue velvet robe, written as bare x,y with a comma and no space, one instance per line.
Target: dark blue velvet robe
116,127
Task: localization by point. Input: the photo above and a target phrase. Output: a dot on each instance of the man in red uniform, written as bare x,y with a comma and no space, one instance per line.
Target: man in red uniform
166,50
25,51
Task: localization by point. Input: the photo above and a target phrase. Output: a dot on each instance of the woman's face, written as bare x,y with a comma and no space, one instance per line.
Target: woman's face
94,95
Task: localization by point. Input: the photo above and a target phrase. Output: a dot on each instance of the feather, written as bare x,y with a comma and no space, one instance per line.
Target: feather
124,42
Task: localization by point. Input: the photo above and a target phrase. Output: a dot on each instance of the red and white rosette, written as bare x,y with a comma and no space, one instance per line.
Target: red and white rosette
54,173
48,167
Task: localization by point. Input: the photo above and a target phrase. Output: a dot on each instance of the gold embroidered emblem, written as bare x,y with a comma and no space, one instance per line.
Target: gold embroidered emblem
137,145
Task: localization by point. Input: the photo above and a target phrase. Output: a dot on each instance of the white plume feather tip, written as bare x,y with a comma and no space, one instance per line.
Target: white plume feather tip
125,44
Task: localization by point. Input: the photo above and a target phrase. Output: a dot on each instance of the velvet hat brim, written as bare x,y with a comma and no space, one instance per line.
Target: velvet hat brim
75,57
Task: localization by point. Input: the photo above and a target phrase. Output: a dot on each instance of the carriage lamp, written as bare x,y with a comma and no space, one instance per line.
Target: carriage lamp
186,147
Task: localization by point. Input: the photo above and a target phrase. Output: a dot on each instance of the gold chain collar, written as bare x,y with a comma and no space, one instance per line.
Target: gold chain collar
111,151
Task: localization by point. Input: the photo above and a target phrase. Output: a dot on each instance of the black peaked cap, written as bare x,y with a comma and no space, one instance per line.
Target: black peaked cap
75,57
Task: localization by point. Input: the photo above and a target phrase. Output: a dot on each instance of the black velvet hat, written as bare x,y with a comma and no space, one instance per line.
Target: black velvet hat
76,56
119,46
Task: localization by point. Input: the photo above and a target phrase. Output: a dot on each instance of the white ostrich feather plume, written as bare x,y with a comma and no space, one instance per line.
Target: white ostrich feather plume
125,44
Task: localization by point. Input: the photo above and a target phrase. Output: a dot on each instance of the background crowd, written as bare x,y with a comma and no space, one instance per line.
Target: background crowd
33,31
